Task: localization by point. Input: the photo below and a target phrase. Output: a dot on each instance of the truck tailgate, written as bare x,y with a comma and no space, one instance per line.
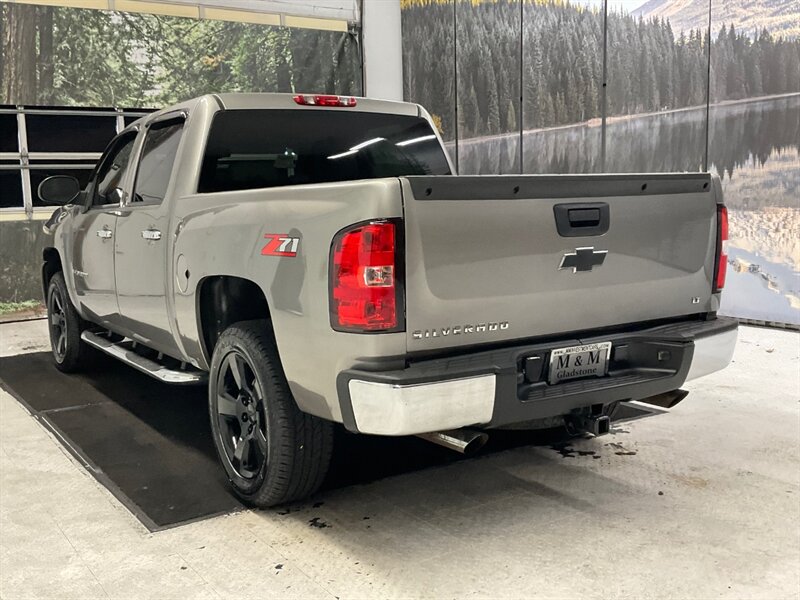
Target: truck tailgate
495,258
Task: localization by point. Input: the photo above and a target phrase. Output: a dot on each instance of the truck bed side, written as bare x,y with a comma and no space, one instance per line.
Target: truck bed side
223,234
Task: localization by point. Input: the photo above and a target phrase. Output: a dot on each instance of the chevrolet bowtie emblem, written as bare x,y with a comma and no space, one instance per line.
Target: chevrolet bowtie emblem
583,259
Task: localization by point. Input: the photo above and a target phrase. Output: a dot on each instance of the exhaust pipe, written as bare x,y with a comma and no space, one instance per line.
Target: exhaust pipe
667,399
465,441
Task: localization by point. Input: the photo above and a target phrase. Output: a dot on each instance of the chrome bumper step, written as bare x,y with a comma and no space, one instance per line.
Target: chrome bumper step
118,350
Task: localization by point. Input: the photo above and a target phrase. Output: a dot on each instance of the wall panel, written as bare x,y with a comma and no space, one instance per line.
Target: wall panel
429,75
657,89
754,146
488,86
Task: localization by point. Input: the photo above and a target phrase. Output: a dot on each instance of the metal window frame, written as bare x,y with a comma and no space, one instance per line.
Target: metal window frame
24,157
180,114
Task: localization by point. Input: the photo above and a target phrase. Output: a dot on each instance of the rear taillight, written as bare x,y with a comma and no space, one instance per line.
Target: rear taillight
722,248
325,100
366,292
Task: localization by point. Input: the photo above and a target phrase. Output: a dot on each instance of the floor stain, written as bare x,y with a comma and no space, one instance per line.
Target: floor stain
567,451
315,522
621,450
688,480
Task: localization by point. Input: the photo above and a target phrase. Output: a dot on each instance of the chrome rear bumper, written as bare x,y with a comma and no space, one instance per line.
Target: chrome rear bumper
495,388
712,353
388,409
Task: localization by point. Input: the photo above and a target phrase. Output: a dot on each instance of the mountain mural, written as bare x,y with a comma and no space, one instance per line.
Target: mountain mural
780,17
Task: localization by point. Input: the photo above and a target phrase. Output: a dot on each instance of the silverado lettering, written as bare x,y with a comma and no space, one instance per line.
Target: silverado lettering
459,329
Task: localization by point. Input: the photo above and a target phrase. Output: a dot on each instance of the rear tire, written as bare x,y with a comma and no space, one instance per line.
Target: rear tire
70,353
271,451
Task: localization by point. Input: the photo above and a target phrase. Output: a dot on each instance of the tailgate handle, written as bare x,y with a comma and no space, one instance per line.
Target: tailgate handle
582,219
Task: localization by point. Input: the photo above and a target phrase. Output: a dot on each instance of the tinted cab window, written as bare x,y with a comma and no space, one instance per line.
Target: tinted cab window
249,149
112,170
156,162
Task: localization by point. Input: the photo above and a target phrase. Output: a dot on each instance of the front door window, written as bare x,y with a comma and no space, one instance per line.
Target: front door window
112,171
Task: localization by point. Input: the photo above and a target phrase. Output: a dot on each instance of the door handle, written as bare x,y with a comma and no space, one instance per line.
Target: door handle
151,234
104,233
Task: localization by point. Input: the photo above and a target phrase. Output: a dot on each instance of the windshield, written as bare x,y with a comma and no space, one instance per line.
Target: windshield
250,149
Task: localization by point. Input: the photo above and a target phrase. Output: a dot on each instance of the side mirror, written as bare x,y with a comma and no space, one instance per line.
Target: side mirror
59,189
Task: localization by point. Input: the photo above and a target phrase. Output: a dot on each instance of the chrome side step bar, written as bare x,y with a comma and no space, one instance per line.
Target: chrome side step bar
145,365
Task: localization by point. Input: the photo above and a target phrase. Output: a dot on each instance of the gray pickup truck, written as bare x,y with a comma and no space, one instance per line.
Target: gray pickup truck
313,259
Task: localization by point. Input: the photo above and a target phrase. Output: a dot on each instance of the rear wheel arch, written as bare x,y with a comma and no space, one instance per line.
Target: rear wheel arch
223,300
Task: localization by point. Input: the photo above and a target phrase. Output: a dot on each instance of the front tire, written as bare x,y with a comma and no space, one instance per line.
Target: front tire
271,451
65,327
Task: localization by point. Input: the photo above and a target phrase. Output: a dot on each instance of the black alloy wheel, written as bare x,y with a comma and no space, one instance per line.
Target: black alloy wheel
64,324
241,416
57,318
271,451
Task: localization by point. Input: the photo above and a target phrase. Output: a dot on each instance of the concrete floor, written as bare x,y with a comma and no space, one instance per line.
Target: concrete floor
707,507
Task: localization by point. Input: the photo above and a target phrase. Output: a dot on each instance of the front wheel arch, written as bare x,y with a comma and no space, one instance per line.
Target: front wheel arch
51,264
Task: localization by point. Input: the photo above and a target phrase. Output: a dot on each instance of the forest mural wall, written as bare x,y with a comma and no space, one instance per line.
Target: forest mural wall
648,115
651,67
69,56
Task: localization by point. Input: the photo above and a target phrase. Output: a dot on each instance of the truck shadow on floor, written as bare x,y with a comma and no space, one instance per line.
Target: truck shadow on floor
150,443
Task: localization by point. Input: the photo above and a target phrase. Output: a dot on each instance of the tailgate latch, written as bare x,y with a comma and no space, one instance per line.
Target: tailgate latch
582,219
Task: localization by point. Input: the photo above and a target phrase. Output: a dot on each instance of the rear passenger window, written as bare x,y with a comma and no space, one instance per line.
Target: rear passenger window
155,165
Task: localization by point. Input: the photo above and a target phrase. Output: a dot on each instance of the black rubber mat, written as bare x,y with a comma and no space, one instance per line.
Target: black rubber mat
150,443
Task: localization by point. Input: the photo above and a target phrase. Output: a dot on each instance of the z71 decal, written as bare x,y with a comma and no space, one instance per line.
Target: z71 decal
280,244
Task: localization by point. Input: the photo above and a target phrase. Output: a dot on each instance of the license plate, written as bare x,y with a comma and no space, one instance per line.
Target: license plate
589,360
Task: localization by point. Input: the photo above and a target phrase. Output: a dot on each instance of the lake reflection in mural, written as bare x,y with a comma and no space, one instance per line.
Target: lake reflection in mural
755,148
